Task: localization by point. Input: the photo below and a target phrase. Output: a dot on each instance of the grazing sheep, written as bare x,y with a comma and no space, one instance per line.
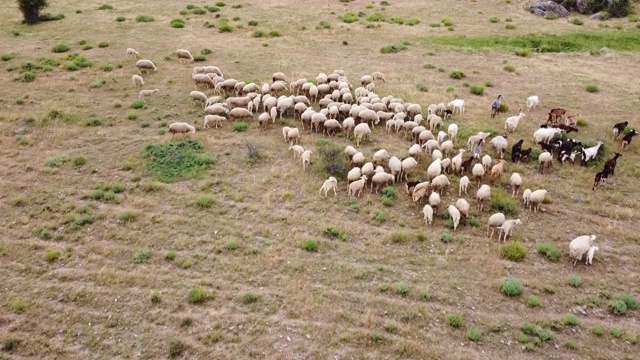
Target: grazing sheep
590,253
306,158
380,157
213,70
147,93
440,183
408,165
434,201
511,122
419,194
478,172
415,150
357,159
532,102
464,183
197,95
516,182
486,162
446,147
457,105
626,140
452,130
297,151
500,144
618,129
455,216
285,131
446,165
430,145
329,184
377,75
436,154
263,120
239,113
434,121
579,246
463,206
456,161
496,220
434,169
395,166
293,135
216,119
484,193
137,80
441,136
507,227
181,128
349,151
202,79
145,65
361,131
544,135
427,213
355,188
354,174
216,109
536,198
214,100
473,139
184,55
379,179
545,160
525,197
497,169
278,77
409,186
132,52
590,153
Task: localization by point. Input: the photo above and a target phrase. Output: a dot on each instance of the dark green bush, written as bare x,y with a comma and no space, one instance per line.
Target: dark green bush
330,160
60,48
513,251
457,74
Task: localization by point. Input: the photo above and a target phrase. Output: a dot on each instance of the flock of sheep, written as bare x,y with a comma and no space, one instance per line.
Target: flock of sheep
357,111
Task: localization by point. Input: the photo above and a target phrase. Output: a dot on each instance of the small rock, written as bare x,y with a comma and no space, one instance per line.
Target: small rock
598,16
288,338
20,131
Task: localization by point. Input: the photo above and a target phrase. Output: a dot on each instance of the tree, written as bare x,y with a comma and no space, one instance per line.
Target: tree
31,9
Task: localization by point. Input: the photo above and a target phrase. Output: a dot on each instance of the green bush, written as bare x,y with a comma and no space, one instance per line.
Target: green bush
375,17
413,21
510,27
400,236
141,256
501,201
629,300
137,104
175,160
220,3
402,288
60,48
488,83
457,74
8,56
474,334
597,330
551,16
455,320
446,237
240,126
349,17
447,21
258,33
591,88
511,287
212,9
97,84
570,320
513,251
225,27
310,244
105,7
120,19
255,23
494,20
391,49
199,11
574,281
549,251
199,58
204,201
576,21
145,18
428,66
197,295
51,255
509,68
533,301
477,89
28,76
524,52
618,307
177,23
330,160
274,33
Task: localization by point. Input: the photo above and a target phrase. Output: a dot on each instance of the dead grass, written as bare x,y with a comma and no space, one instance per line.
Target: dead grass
311,304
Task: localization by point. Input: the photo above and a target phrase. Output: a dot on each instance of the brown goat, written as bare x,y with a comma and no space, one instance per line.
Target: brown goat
556,114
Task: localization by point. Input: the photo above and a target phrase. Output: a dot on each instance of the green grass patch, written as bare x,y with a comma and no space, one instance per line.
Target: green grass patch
477,90
454,320
511,287
533,301
169,162
51,255
310,245
375,17
120,19
197,295
549,251
60,48
349,17
177,23
8,56
145,18
204,201
474,334
141,256
330,160
394,48
258,33
513,251
591,88
457,74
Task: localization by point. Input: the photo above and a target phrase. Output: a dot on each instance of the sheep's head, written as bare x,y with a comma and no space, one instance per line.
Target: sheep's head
517,222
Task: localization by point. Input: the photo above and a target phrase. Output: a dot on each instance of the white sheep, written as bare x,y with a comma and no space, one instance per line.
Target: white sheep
358,159
473,139
436,154
486,162
434,121
216,109
293,135
434,201
377,75
592,250
446,147
495,221
456,161
440,183
306,159
483,194
380,178
525,197
297,151
216,119
455,216
408,165
464,183
434,169
146,65
427,213
497,169
263,119
395,166
545,160
137,80
181,128
445,163
202,79
212,101
415,150
132,52
500,144
361,131
516,182
330,183
240,113
355,188
457,105
147,93
507,227
452,131
184,55
544,135
463,206
579,246
197,96
536,198
349,151
532,102
380,157
478,172
511,122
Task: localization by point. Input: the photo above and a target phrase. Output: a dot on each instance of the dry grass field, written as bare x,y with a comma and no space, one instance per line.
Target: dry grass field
100,259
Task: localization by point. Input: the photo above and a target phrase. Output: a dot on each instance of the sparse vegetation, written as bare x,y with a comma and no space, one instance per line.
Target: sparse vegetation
591,88
145,18
533,301
574,281
549,251
511,287
457,74
169,162
455,320
310,244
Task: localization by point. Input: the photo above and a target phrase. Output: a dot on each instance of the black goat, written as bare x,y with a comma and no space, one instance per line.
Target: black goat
610,165
524,154
410,185
619,129
600,178
626,140
515,150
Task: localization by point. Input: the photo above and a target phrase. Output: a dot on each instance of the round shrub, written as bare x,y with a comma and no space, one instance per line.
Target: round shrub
199,58
591,88
137,104
60,48
513,251
457,74
474,334
446,237
511,287
549,251
509,68
257,33
145,18
455,320
510,27
477,89
533,301
199,11
28,76
120,19
103,44
618,307
177,23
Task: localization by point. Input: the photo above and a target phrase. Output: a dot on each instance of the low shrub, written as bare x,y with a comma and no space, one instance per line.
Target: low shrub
576,21
574,281
446,237
145,18
549,251
476,89
457,74
510,27
474,334
197,295
591,88
177,23
240,126
618,307
455,320
60,48
199,58
105,7
533,301
509,68
513,251
629,300
511,287
310,245
494,20
137,104
120,19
